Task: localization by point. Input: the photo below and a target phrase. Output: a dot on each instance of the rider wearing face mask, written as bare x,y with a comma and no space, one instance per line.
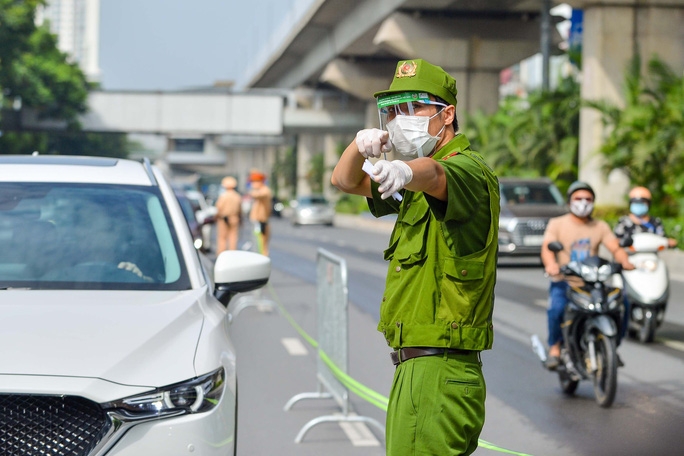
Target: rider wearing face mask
638,220
436,311
581,236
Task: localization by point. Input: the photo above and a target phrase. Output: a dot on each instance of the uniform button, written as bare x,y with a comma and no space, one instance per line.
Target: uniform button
389,342
464,272
398,269
384,332
384,298
398,324
454,325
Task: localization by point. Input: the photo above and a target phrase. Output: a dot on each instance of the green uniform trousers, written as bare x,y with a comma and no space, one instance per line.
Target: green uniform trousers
436,406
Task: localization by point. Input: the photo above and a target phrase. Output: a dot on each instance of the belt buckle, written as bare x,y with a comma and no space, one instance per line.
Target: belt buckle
395,356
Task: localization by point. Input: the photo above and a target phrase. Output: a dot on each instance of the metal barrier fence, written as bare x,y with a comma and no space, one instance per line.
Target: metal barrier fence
333,343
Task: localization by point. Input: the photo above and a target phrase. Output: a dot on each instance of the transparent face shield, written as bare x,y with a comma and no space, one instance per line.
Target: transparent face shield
405,104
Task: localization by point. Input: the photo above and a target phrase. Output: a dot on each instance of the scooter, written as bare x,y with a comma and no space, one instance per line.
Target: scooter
592,321
647,287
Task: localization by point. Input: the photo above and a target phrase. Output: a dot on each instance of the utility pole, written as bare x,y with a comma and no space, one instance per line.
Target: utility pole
545,42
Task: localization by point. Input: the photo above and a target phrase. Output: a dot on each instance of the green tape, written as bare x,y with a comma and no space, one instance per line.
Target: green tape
356,387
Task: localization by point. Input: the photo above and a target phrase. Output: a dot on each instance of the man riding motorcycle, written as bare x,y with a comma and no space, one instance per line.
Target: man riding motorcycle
581,236
638,220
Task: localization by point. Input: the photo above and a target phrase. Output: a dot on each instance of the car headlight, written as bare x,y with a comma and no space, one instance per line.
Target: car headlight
508,223
196,395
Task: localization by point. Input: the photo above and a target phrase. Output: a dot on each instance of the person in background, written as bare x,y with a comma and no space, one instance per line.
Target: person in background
638,220
262,205
581,236
228,211
436,311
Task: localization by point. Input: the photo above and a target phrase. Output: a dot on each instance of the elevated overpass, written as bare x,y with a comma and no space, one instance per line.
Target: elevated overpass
353,46
311,87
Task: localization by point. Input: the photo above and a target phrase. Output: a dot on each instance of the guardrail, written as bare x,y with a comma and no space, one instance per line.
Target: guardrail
333,344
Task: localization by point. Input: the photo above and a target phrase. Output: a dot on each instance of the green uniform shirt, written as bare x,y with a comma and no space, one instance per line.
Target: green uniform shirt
442,257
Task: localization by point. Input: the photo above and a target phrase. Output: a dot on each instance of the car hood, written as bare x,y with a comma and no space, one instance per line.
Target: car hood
142,338
533,210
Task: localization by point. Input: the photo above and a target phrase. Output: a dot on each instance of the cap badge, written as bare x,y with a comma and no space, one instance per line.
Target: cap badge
406,70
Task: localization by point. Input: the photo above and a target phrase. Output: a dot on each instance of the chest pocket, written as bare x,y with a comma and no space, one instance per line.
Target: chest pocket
412,230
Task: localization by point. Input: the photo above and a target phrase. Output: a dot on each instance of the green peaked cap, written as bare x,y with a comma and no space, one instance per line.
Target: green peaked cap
417,75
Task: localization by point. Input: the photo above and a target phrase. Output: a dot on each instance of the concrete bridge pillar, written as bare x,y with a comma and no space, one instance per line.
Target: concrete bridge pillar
307,146
472,49
614,31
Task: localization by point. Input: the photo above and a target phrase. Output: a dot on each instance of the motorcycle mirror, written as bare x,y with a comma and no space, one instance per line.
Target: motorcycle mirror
626,241
555,246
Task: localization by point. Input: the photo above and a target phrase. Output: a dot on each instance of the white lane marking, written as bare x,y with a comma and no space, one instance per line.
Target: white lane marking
359,434
541,302
294,346
677,345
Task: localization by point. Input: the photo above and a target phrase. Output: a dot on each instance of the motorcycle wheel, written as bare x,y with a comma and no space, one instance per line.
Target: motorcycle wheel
647,330
605,377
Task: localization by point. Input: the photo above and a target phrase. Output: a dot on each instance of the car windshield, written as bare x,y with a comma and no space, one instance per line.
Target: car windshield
87,236
530,193
313,200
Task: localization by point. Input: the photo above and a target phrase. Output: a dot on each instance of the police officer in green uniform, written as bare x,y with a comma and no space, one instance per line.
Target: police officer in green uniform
436,312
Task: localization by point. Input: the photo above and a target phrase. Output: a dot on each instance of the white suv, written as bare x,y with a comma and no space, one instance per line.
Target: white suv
114,333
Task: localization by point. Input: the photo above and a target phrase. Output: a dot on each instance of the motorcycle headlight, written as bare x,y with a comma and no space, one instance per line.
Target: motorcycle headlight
191,396
648,265
589,273
604,272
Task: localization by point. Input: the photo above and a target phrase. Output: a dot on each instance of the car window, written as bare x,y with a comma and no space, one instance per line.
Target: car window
87,236
313,200
530,193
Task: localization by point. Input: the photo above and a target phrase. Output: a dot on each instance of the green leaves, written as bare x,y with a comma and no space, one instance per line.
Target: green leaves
533,137
646,137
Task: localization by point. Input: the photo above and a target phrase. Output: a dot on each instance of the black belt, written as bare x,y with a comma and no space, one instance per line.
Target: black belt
407,353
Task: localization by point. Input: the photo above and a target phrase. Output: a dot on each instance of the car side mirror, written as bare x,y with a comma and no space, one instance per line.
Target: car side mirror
239,271
555,246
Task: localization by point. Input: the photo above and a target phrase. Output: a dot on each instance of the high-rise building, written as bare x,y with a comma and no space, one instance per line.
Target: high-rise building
77,26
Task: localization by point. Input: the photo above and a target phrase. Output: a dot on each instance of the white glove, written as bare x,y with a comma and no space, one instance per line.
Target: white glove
373,142
392,176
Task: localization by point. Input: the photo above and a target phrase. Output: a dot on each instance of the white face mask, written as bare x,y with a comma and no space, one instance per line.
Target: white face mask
410,137
582,208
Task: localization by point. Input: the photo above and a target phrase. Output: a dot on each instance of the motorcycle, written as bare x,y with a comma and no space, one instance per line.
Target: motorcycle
647,287
592,321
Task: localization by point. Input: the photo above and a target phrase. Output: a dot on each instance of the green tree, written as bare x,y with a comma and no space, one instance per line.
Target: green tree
646,137
537,136
34,72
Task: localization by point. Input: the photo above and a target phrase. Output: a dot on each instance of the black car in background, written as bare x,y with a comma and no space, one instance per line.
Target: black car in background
526,207
189,213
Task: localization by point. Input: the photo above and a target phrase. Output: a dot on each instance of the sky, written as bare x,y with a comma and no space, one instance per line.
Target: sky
177,44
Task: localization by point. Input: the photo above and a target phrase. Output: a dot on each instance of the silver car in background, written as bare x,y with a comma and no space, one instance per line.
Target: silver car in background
312,210
526,207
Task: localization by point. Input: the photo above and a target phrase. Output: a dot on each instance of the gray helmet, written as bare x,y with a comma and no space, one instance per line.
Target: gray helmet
579,185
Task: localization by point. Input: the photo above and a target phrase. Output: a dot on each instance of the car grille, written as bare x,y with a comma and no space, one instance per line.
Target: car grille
50,425
527,228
